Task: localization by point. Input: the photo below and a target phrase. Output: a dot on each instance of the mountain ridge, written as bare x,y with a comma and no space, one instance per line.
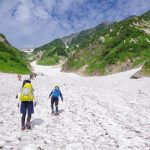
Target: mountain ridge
108,48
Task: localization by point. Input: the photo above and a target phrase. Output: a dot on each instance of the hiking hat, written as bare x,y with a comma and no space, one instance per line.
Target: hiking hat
56,86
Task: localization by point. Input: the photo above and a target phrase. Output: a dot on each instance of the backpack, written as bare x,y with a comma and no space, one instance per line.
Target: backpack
55,93
27,92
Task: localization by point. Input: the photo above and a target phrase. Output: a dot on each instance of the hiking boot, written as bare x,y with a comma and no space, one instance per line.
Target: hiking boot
56,113
23,128
28,125
52,111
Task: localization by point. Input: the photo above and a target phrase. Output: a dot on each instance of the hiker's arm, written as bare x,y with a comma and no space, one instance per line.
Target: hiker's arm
18,97
33,92
19,102
50,94
61,96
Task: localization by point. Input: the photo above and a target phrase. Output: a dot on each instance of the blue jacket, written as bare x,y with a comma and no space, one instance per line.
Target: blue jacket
56,93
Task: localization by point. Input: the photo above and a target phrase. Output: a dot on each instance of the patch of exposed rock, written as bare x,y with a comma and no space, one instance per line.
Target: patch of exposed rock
119,67
67,39
137,75
2,39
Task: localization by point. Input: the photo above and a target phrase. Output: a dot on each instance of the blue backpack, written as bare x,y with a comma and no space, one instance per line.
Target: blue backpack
55,93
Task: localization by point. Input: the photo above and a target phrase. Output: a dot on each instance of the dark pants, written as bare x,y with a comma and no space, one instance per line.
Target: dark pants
26,107
23,119
54,100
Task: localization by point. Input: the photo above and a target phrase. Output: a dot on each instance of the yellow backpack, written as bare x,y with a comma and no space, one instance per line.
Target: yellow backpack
27,93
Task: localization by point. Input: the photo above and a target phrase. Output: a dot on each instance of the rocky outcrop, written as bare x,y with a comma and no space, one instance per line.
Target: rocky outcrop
67,39
2,39
119,67
137,75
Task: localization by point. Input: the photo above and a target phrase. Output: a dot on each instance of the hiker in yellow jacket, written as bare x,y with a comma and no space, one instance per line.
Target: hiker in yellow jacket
26,98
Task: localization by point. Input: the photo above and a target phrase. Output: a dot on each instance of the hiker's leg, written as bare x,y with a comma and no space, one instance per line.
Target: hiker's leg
28,125
23,120
30,111
28,121
56,104
23,111
29,117
52,104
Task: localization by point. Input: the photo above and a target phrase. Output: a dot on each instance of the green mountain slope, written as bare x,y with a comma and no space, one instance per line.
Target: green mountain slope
11,60
112,48
52,52
105,49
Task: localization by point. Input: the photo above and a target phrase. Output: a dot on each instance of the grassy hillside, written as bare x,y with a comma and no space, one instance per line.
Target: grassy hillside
52,52
112,48
105,49
11,60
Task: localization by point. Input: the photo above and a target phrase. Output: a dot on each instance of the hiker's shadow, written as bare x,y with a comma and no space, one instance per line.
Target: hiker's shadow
37,122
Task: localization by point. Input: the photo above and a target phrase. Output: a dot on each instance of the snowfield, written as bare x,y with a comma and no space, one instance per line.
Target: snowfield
98,113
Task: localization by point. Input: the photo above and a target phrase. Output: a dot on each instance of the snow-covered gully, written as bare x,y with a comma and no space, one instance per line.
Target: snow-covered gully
98,113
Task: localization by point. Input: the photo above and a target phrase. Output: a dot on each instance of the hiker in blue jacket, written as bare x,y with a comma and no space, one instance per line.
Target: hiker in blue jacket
55,93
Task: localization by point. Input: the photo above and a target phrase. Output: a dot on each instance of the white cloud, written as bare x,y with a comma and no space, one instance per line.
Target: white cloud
41,13
49,4
23,12
29,23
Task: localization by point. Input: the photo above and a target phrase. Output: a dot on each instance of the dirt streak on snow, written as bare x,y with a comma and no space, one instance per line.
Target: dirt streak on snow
99,113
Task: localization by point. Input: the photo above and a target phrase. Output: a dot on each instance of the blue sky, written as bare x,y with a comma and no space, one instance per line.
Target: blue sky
30,23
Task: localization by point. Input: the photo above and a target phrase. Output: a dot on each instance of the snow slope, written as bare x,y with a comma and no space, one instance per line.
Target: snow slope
98,113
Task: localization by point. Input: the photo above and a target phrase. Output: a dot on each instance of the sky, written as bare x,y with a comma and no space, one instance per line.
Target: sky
31,23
